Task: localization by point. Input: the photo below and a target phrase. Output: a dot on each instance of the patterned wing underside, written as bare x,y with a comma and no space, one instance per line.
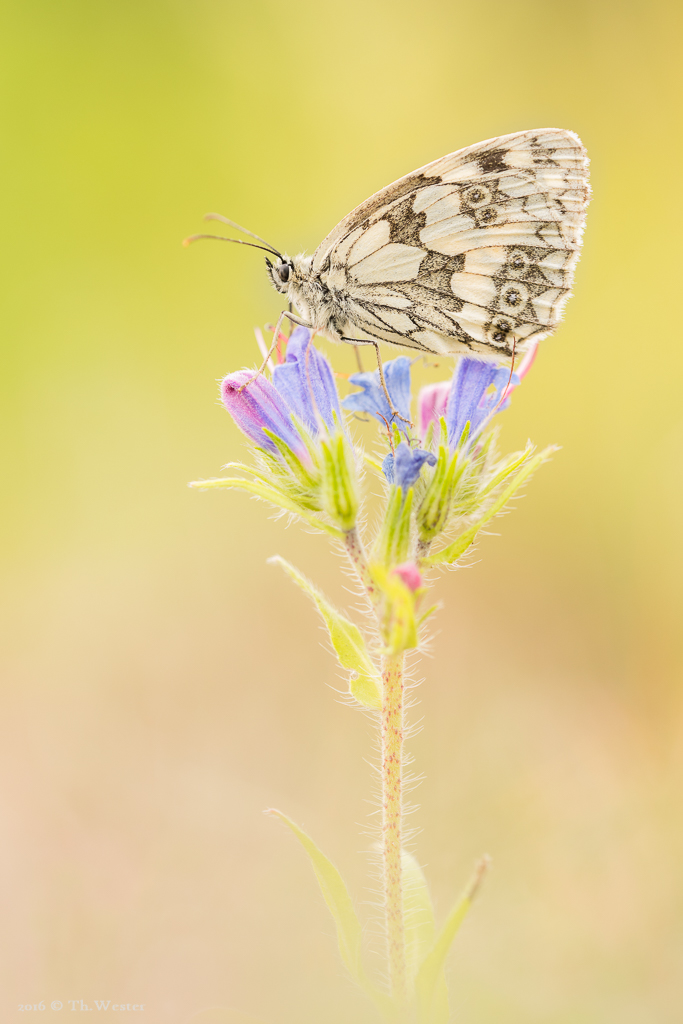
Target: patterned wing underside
474,251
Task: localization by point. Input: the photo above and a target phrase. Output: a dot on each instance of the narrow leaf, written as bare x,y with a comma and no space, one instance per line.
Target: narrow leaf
336,896
272,494
418,913
453,551
346,638
430,982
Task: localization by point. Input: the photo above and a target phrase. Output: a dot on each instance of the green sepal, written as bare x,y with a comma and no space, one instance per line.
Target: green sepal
458,547
338,900
462,440
433,513
430,982
393,542
429,437
339,486
305,478
425,615
399,630
271,494
506,470
347,640
372,461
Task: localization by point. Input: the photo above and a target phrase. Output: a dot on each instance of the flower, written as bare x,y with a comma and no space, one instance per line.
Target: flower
371,398
302,386
403,467
476,392
469,399
410,574
259,407
306,382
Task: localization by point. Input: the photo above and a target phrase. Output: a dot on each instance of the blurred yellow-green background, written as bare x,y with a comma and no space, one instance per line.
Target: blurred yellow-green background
162,684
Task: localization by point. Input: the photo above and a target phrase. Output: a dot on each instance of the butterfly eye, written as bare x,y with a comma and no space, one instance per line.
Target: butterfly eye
283,272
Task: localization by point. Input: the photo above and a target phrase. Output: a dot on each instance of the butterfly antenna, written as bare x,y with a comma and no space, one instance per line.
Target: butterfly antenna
238,227
220,238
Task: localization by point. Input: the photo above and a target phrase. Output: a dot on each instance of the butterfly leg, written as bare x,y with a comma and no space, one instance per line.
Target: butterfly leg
385,389
293,318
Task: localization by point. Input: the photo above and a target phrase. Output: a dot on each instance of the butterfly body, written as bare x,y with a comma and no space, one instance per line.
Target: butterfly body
474,252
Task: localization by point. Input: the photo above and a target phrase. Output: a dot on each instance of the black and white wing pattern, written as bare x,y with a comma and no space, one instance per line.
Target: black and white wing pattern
472,252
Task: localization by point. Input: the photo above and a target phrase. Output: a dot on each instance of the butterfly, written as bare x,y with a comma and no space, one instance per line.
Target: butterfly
474,252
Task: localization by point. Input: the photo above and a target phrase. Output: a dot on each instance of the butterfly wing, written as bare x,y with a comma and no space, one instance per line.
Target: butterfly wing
473,252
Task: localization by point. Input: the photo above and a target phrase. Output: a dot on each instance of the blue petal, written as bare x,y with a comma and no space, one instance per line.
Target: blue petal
408,463
468,401
371,399
306,382
388,467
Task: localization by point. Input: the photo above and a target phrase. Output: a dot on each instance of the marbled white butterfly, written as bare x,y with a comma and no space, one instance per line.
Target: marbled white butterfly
474,252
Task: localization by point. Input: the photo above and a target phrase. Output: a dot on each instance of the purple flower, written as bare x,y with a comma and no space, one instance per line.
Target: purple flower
302,386
259,407
306,383
371,398
477,391
403,467
470,398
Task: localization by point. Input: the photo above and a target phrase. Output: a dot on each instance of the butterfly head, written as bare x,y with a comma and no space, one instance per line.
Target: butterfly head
281,273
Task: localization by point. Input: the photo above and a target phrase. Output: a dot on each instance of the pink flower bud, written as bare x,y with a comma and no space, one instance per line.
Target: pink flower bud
431,405
410,574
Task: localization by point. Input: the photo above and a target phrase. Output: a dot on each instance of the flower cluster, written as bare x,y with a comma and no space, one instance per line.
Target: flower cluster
445,480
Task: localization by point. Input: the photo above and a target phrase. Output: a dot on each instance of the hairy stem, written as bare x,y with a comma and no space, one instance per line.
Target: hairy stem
357,557
392,752
423,547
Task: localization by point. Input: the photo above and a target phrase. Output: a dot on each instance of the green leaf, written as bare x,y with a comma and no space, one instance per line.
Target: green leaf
453,551
419,924
336,896
430,983
272,494
346,638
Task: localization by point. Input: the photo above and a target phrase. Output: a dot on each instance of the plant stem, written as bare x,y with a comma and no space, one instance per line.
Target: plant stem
358,559
392,753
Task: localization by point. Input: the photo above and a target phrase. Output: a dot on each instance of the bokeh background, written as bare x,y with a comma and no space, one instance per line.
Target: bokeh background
162,684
